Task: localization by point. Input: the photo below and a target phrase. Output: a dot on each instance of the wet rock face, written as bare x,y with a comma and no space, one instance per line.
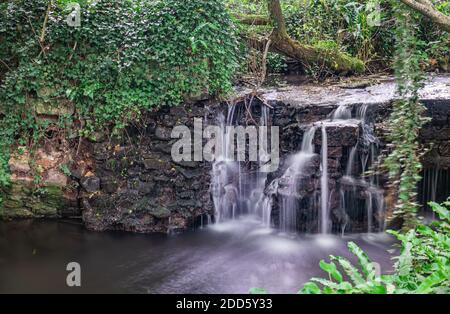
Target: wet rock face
136,186
296,108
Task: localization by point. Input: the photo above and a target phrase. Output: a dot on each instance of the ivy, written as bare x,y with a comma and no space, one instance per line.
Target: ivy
406,120
127,57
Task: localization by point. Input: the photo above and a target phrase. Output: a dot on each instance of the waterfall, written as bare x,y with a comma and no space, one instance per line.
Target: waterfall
238,188
225,191
343,112
356,179
235,188
324,183
289,180
351,159
256,201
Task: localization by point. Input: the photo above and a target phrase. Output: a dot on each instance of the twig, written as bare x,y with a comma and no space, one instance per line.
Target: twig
73,50
264,63
6,65
35,34
261,99
44,26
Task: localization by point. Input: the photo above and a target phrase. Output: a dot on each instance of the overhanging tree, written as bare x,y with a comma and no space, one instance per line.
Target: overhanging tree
426,8
280,42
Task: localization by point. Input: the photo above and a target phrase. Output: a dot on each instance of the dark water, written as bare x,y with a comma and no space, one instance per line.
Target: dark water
225,258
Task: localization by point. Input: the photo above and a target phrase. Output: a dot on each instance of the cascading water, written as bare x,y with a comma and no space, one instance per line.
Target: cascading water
374,200
324,220
287,184
256,199
236,189
224,188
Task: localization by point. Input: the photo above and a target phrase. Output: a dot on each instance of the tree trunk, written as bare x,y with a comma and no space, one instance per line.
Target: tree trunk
426,8
281,42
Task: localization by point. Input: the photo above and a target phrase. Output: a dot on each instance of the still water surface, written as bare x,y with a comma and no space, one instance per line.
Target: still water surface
225,258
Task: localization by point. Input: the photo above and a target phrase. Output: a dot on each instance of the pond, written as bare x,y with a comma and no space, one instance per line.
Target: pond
229,257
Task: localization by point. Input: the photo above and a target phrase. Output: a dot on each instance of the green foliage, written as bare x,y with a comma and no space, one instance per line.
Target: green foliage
406,119
422,266
127,57
257,291
361,280
348,24
344,22
65,169
276,63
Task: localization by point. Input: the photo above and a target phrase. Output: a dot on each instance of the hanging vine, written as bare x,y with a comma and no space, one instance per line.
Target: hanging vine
406,119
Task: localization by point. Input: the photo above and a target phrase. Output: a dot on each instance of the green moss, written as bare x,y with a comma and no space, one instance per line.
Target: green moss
338,60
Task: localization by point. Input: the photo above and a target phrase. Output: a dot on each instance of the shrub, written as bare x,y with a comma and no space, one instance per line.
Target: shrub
422,267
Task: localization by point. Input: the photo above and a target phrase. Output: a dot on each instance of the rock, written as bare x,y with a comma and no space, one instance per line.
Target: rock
109,185
162,133
91,184
178,111
160,212
19,165
165,147
335,151
190,174
334,165
46,92
161,178
20,162
54,177
146,187
53,109
187,164
154,164
186,194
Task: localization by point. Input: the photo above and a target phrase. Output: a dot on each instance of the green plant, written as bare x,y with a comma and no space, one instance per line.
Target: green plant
422,267
276,63
126,58
406,119
65,169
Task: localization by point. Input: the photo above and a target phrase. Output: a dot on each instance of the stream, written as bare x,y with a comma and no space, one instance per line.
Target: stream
228,257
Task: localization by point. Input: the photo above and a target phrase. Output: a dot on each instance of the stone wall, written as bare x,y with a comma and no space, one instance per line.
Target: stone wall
136,186
133,184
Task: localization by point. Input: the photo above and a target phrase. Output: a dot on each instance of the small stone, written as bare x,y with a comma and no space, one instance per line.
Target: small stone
163,134
146,187
186,194
109,185
91,184
19,165
154,164
160,212
53,109
190,174
187,164
55,177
